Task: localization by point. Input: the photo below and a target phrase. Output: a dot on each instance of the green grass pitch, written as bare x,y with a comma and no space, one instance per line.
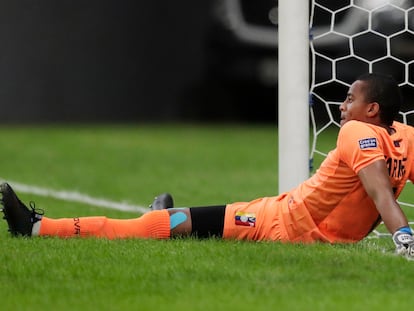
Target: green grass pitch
199,165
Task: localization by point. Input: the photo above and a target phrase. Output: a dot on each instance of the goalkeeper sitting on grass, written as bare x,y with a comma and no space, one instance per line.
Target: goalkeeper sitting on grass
354,189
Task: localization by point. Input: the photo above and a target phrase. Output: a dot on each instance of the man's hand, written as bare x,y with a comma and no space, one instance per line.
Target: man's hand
404,243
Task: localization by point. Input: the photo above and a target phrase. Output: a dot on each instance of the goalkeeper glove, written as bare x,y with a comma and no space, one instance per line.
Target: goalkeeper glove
404,242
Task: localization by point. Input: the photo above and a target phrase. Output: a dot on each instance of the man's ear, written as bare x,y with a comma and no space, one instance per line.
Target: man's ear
373,109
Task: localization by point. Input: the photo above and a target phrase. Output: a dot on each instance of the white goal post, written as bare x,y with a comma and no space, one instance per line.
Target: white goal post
293,101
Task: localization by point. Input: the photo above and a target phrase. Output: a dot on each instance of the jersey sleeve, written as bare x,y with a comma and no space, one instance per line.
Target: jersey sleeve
359,145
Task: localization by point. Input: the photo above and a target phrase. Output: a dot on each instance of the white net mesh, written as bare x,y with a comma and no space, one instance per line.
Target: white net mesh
349,38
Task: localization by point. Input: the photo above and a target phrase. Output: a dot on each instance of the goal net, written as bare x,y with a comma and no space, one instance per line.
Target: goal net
349,38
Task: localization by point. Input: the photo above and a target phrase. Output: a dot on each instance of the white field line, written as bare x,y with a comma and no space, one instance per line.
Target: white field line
73,196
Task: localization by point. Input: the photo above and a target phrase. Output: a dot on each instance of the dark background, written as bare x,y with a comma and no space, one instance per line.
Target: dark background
129,60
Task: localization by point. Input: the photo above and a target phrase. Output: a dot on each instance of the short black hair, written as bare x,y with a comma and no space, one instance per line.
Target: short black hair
384,90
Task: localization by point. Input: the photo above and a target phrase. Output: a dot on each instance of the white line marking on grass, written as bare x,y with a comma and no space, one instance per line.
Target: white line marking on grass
73,196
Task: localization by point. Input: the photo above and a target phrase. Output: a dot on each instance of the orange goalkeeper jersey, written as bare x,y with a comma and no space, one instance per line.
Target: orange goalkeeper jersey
332,205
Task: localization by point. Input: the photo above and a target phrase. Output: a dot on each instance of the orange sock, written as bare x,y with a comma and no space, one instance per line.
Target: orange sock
155,224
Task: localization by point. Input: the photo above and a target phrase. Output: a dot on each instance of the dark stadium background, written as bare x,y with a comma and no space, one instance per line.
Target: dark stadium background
149,61
106,60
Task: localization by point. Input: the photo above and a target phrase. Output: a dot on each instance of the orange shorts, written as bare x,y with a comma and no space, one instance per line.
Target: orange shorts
256,220
278,218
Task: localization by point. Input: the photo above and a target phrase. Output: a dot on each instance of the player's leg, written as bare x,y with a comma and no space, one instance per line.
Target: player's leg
201,222
160,224
207,221
250,221
155,224
255,220
26,221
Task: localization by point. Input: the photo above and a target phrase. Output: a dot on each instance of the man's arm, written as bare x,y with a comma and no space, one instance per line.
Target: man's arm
377,184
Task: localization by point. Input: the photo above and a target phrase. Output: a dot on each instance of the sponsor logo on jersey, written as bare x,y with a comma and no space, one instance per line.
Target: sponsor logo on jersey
245,219
368,143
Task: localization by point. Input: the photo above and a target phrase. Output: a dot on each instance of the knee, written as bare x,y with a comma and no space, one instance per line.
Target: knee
180,221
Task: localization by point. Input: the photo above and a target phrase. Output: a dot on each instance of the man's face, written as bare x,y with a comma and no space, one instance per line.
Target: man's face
355,107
